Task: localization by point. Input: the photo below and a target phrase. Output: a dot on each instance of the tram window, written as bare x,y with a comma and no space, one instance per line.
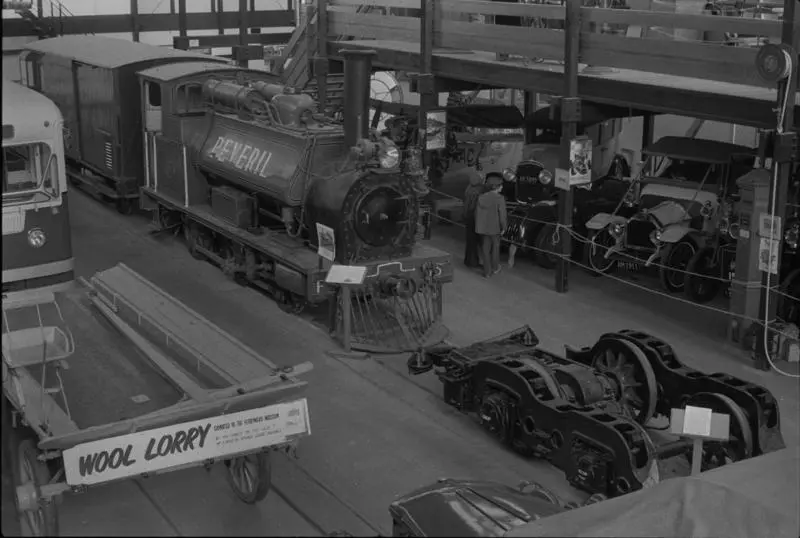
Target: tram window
24,166
153,95
189,99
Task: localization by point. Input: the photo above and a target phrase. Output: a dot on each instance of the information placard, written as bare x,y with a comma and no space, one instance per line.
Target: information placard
346,274
326,241
164,448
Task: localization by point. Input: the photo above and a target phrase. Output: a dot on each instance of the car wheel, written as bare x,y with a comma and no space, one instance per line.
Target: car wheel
547,249
703,276
673,267
595,253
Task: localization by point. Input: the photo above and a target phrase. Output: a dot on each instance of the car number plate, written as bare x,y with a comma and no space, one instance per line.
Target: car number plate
632,267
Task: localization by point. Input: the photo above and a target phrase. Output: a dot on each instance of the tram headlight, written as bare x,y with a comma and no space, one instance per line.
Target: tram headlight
36,238
545,177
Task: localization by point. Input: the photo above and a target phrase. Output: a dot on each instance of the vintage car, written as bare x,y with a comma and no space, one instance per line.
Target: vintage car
532,196
677,201
472,508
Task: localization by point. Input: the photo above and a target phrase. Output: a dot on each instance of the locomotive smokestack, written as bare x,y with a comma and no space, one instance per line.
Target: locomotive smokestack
357,74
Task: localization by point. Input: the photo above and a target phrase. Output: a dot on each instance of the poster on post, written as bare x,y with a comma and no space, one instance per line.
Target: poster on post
580,161
435,130
326,242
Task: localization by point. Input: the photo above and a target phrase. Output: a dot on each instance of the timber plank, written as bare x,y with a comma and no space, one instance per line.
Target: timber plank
370,25
209,343
530,42
483,7
409,4
684,59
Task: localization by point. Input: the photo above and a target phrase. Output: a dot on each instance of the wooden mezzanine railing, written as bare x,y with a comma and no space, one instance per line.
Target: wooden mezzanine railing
447,25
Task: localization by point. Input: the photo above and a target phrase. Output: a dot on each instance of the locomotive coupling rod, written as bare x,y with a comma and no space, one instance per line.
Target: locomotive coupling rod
29,495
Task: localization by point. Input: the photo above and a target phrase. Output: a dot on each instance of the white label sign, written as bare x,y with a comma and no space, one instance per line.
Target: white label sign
561,181
770,227
191,442
697,421
346,274
326,241
768,255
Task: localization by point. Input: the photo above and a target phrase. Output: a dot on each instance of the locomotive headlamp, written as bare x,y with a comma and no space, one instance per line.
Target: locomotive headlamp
36,238
545,177
388,154
509,175
792,236
617,230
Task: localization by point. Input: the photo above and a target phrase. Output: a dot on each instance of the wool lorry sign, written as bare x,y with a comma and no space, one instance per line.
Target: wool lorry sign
153,451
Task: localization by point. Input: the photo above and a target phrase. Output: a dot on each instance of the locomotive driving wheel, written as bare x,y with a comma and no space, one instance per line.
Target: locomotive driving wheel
739,445
628,366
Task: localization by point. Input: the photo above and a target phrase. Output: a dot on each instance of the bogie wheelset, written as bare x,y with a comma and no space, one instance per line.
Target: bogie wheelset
587,412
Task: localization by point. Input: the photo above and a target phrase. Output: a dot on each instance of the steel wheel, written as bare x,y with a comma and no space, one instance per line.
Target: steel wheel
673,270
628,366
740,444
596,250
702,284
250,476
28,469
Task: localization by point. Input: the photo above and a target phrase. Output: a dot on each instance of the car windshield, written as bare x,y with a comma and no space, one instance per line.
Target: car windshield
27,168
685,170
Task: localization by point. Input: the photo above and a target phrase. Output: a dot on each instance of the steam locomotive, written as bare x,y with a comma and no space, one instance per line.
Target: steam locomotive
258,182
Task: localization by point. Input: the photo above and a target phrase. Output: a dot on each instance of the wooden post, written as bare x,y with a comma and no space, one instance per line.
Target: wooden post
346,318
570,116
241,56
135,19
529,109
779,187
182,18
697,455
40,8
428,97
320,60
648,129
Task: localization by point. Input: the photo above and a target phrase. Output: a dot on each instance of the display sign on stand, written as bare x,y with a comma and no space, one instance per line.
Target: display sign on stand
561,180
346,277
699,424
580,160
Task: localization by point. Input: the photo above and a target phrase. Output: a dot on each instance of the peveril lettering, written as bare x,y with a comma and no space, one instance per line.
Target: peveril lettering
226,149
254,156
243,156
237,149
217,146
100,461
263,170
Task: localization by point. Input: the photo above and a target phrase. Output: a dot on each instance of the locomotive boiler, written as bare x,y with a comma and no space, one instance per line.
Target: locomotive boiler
265,187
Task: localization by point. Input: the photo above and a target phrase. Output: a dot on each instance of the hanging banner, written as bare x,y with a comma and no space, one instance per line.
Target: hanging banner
326,241
435,130
580,160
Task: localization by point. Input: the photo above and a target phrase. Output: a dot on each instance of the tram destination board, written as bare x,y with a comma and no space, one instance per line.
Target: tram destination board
161,449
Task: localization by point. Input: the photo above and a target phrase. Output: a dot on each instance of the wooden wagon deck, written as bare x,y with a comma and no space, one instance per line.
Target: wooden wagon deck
140,360
706,79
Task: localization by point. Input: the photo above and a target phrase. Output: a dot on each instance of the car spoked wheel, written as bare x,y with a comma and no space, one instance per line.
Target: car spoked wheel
703,276
673,267
595,253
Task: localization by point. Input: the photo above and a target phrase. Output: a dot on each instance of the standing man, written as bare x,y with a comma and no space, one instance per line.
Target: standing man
473,243
490,223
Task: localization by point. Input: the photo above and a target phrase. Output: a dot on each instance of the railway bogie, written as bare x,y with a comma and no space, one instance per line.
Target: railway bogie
587,412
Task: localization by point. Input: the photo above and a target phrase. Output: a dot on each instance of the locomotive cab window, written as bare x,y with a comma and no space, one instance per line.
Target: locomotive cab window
153,106
189,99
31,71
28,169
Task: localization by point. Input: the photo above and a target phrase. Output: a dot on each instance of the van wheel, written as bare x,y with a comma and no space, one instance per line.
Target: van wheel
673,267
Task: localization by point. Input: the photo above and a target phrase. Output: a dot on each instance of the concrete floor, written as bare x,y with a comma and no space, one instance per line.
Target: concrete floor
376,434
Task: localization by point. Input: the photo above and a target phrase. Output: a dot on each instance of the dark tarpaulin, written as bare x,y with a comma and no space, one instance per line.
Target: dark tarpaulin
753,498
486,116
591,113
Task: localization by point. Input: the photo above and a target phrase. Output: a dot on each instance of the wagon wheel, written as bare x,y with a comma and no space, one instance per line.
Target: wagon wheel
739,445
250,476
629,367
28,469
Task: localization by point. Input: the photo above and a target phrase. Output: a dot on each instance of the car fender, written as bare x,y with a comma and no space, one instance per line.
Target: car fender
601,220
675,232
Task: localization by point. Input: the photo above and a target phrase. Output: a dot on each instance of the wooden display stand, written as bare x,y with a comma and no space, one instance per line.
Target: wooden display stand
699,424
346,277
